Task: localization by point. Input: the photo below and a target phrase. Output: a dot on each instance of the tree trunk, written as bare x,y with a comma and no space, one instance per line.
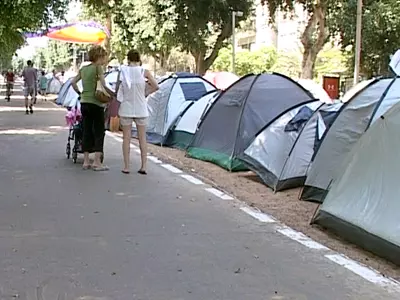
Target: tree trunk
203,63
201,67
107,42
312,46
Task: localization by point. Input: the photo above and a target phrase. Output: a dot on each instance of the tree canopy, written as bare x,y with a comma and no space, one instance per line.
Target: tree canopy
25,15
157,26
199,27
380,33
316,32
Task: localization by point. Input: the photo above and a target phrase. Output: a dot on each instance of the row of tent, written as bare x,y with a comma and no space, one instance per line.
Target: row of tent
341,152
270,124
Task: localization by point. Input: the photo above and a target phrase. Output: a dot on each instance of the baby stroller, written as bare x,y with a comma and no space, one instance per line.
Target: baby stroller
74,120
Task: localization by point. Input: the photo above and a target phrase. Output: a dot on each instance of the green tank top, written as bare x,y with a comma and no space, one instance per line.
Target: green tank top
89,83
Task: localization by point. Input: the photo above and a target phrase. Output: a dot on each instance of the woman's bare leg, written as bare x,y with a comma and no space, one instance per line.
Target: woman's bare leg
141,129
86,160
126,146
97,159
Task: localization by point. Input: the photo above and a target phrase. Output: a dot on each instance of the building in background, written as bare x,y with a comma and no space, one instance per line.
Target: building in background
284,35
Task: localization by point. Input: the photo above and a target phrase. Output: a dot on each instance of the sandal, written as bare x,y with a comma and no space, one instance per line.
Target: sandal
87,167
100,168
142,172
125,171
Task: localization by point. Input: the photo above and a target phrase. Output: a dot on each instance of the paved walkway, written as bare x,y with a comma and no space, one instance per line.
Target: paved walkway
66,233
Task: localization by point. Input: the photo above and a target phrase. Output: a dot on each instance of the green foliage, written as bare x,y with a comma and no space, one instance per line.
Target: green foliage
18,64
315,34
259,61
380,33
155,27
57,55
331,61
137,27
288,64
25,15
199,27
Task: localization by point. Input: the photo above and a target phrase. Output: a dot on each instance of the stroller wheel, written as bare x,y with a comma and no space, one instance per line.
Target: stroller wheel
74,157
68,151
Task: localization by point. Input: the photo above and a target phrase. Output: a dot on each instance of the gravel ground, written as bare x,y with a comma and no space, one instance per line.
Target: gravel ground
284,206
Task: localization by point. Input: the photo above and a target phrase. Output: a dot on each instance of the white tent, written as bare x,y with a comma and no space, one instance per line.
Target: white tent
54,86
316,89
111,79
363,204
282,151
67,96
354,119
176,93
181,134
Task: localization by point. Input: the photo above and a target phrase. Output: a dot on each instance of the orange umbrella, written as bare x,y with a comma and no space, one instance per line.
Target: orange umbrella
87,32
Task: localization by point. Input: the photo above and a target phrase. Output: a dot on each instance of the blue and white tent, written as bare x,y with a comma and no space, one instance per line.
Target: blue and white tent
67,96
282,151
176,93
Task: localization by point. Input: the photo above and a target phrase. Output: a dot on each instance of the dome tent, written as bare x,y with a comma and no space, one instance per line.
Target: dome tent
182,132
353,120
282,151
316,89
176,93
362,203
53,86
68,97
239,113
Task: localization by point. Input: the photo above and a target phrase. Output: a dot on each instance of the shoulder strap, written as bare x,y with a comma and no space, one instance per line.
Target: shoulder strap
118,81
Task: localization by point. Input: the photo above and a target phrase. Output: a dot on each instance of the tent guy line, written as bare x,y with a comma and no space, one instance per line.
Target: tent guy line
361,270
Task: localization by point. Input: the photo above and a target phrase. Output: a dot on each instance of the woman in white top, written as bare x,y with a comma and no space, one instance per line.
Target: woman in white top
131,86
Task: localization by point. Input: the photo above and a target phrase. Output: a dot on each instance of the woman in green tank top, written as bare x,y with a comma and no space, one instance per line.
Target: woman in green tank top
92,109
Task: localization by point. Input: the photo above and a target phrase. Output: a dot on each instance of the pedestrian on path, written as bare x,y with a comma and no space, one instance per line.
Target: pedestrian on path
9,79
43,85
30,86
131,89
92,109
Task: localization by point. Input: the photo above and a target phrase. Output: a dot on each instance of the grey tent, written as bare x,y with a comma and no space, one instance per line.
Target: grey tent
282,152
239,113
353,120
362,204
176,93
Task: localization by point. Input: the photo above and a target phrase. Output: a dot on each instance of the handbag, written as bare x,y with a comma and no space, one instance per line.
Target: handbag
101,94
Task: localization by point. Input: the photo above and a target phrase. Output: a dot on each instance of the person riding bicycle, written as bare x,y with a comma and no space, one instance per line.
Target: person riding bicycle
9,78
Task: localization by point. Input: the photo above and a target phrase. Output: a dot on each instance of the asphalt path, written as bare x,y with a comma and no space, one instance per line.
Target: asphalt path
66,233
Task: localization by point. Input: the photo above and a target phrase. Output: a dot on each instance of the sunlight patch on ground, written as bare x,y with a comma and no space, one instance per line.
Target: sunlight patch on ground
24,132
59,127
11,109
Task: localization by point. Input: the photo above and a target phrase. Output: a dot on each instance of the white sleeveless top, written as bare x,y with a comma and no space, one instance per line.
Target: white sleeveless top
131,93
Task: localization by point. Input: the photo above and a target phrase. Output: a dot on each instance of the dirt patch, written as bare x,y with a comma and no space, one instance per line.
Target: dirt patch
284,206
